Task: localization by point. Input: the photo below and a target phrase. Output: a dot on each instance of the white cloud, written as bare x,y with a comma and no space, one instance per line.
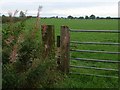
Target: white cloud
99,11
104,9
63,7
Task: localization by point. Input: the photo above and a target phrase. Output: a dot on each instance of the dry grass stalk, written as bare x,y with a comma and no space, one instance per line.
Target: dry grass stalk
15,13
37,25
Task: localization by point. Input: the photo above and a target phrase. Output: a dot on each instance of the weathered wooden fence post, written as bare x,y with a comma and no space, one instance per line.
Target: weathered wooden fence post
48,40
64,49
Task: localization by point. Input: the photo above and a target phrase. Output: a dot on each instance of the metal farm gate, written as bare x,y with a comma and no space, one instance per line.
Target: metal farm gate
65,51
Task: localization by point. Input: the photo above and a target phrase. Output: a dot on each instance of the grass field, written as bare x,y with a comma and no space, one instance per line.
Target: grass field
81,81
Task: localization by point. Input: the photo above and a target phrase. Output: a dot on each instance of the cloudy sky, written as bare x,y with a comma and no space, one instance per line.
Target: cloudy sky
62,8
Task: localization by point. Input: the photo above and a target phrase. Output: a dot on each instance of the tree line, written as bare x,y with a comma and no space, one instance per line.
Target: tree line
88,17
23,15
84,17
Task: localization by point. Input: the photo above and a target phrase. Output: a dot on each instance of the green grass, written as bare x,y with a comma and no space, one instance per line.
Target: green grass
81,81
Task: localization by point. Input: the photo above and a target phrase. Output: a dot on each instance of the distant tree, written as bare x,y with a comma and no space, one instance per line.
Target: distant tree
86,17
92,16
3,16
56,16
22,14
108,17
81,18
97,17
70,17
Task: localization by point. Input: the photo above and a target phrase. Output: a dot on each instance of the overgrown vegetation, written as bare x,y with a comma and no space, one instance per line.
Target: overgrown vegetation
23,65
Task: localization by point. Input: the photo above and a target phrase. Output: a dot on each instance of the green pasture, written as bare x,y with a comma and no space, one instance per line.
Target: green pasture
76,24
81,81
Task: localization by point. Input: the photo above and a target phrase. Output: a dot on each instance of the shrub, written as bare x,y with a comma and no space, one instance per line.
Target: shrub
23,64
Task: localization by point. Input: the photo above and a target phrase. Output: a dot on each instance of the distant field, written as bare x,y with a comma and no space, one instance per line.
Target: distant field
78,24
88,81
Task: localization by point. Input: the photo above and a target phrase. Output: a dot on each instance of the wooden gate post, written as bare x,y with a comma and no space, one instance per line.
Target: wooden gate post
48,40
64,49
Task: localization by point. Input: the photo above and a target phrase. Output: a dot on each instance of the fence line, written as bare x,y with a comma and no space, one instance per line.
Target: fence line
86,67
95,60
95,43
93,51
102,31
